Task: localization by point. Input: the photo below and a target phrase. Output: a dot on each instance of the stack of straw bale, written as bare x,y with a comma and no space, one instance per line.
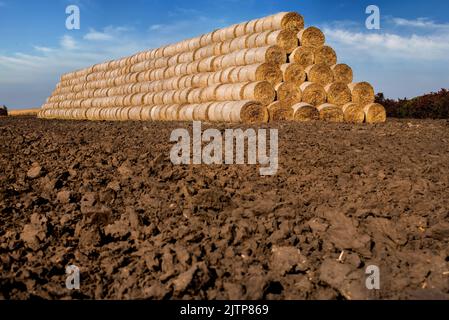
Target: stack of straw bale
268,69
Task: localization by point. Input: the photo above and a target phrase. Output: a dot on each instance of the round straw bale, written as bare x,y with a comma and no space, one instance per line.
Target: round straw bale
304,56
259,39
187,57
134,113
303,112
331,113
338,93
270,54
186,113
203,79
236,44
246,112
186,82
193,67
206,39
289,93
225,74
239,57
294,73
261,72
285,39
158,97
201,111
156,113
375,113
209,93
234,75
216,35
206,65
172,113
227,33
217,48
292,21
228,60
173,60
320,73
261,91
362,93
214,112
168,97
194,43
251,26
137,99
225,48
342,73
280,111
325,55
229,92
311,37
146,113
251,39
164,113
353,113
181,96
170,72
194,96
240,29
214,78
219,62
313,93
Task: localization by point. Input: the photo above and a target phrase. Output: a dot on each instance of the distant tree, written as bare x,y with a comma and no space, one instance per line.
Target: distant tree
434,105
3,111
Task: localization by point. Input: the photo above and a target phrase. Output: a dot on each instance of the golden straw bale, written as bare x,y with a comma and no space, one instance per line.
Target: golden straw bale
353,113
375,113
280,111
289,93
331,113
338,93
311,37
313,93
304,112
362,93
294,73
320,73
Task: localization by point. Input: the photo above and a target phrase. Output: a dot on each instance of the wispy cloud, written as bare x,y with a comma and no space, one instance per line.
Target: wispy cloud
404,58
390,45
42,49
68,42
424,23
44,65
108,34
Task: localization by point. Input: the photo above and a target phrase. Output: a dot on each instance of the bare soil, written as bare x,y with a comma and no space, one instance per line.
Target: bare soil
106,198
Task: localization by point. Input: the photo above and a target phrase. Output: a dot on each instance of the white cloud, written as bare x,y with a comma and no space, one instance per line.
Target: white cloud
390,45
42,49
397,61
68,42
424,23
155,27
98,36
41,68
108,34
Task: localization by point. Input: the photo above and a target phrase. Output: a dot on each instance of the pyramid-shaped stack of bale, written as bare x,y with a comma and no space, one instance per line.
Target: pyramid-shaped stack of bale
269,69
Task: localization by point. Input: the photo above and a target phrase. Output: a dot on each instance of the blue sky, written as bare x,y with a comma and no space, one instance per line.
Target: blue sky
407,57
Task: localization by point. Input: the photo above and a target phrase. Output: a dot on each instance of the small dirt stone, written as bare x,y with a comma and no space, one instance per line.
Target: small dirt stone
35,172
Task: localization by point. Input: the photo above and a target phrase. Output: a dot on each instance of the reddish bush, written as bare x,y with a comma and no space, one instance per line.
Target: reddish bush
430,106
3,111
